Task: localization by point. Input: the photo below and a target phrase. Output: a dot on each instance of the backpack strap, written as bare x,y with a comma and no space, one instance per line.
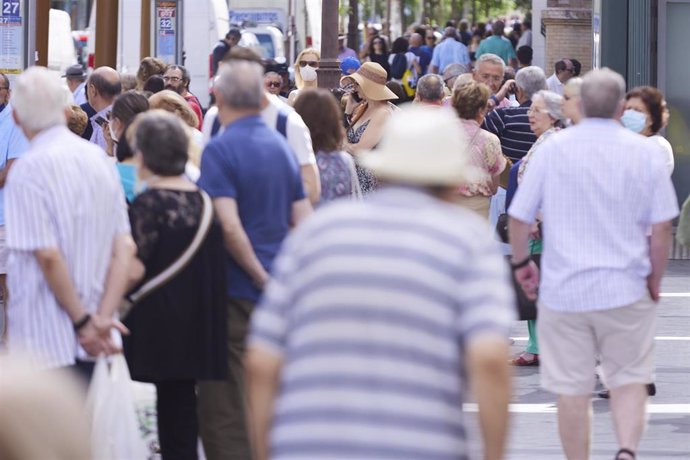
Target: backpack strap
281,123
215,127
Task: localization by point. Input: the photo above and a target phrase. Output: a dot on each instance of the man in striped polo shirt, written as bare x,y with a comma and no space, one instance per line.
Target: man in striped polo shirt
67,232
378,310
511,124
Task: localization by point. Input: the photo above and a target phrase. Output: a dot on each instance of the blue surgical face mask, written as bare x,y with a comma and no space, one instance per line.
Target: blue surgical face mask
633,120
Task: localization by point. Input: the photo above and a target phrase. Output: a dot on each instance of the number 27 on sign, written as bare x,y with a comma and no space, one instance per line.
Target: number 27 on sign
10,8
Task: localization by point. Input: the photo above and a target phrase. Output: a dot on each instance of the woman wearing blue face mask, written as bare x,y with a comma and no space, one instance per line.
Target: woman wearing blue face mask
646,114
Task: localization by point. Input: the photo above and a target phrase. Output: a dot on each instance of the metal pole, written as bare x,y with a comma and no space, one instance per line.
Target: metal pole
42,25
30,34
107,13
145,40
329,67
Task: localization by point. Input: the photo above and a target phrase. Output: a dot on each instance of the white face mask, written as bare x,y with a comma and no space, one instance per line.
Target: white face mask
112,131
308,73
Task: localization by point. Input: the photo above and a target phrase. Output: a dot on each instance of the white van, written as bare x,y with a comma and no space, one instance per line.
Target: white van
205,22
272,42
61,51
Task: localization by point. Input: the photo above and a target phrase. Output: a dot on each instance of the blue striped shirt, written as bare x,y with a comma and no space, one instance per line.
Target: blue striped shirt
370,308
63,193
511,125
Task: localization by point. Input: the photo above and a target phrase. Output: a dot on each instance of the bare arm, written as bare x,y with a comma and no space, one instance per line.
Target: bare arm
236,240
658,255
311,182
372,135
94,336
5,171
487,367
263,372
301,209
57,275
118,275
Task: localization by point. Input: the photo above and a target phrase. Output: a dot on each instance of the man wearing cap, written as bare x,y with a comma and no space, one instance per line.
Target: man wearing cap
344,51
76,82
379,311
349,65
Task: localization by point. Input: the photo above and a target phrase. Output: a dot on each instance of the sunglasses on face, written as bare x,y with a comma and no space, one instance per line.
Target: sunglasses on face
314,64
274,84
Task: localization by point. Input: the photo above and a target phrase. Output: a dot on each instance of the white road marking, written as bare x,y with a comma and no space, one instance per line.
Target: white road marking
550,408
659,338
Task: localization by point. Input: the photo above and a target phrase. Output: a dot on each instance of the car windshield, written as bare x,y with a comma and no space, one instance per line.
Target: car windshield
267,44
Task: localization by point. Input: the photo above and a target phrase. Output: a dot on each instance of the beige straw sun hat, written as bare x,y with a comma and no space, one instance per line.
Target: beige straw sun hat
371,78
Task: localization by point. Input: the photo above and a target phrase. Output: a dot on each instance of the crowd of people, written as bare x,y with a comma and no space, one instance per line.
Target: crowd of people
316,274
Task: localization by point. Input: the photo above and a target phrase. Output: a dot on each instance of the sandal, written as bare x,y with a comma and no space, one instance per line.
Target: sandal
521,361
625,451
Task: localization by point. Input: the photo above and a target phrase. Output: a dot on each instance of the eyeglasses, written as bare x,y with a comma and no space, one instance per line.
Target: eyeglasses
496,78
532,110
274,84
172,79
314,64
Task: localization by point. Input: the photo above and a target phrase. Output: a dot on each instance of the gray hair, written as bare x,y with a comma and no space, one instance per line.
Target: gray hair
161,139
240,84
602,92
454,70
430,88
39,100
530,80
491,59
553,103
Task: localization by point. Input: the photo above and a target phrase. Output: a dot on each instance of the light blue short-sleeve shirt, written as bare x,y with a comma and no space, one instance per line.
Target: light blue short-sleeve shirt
12,145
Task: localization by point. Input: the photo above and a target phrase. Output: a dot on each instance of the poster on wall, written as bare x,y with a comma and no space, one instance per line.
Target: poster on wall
12,53
167,30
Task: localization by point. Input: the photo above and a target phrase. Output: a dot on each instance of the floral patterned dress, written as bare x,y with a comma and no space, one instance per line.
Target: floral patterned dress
338,176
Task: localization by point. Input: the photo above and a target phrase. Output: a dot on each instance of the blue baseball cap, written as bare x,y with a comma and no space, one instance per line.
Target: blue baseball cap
349,65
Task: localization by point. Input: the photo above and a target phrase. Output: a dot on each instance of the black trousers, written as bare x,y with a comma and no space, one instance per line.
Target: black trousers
178,426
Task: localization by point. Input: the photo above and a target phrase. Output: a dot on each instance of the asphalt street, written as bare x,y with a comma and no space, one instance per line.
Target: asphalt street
534,430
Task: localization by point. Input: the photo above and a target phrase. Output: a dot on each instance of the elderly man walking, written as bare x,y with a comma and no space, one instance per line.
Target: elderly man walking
449,51
600,190
254,181
102,88
430,90
377,310
67,233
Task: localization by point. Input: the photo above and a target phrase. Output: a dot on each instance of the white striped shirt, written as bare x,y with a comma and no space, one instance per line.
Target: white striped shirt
61,194
370,306
600,187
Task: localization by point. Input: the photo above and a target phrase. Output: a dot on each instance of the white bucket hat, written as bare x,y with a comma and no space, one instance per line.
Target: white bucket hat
422,145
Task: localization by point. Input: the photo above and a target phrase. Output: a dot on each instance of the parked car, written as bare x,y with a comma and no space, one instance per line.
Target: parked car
272,42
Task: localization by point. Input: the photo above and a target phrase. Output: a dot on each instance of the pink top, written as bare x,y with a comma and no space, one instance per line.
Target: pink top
485,154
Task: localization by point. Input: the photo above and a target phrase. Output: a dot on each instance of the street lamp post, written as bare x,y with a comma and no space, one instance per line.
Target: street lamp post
329,67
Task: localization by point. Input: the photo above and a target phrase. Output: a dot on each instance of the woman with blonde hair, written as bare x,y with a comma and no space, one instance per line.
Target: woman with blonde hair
306,64
172,102
470,102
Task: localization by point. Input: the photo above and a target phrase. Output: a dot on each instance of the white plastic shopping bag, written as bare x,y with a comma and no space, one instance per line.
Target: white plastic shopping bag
115,429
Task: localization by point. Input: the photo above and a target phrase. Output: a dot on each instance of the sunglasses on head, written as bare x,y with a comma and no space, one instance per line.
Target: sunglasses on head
274,84
314,64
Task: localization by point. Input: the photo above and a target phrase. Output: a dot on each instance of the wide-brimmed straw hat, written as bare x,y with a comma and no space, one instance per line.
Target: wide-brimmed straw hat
371,78
422,145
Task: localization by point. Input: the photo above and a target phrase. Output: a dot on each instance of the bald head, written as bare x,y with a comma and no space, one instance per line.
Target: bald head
103,87
416,40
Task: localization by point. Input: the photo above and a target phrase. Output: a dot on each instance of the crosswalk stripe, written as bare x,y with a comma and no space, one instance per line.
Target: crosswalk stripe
550,408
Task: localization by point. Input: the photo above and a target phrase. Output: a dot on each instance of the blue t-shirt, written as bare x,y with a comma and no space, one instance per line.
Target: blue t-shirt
12,145
254,165
128,179
424,55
